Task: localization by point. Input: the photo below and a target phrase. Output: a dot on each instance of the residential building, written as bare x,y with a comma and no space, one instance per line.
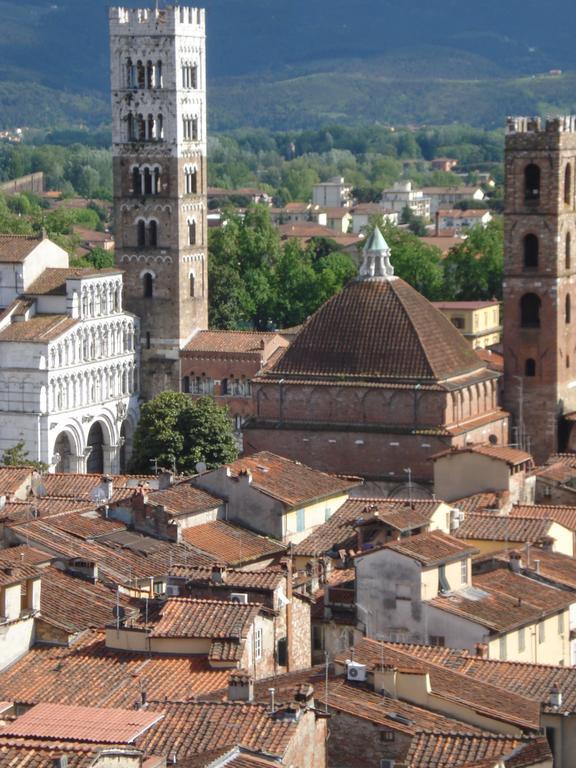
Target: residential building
334,193
442,198
298,213
278,497
364,213
420,589
445,164
338,219
491,533
488,468
556,480
538,324
456,219
159,163
68,360
20,590
402,195
478,321
376,382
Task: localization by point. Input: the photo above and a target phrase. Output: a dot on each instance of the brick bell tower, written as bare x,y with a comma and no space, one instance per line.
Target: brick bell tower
540,281
159,158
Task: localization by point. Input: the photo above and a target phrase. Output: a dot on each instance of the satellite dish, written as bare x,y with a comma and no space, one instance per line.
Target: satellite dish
98,494
201,467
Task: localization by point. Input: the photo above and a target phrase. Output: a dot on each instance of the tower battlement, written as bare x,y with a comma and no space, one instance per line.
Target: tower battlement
165,21
560,124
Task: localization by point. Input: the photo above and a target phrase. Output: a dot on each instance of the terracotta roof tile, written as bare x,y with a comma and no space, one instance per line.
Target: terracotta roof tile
511,456
431,548
232,578
12,479
479,502
33,753
233,342
23,554
12,573
15,248
184,499
289,481
379,329
85,526
87,672
563,515
79,486
452,682
39,329
230,544
65,721
189,729
23,511
186,617
490,527
52,281
544,597
447,750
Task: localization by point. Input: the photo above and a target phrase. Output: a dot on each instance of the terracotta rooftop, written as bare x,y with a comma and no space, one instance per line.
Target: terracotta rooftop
74,604
339,531
12,479
52,281
186,617
451,682
490,527
36,753
493,360
563,515
478,502
543,596
232,758
230,544
512,456
85,526
11,573
189,729
39,329
471,213
184,499
449,750
465,304
430,548
87,672
15,248
23,511
381,329
23,554
288,481
79,486
232,342
64,721
267,579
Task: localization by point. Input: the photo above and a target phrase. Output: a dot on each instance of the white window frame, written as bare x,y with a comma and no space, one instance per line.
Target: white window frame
258,643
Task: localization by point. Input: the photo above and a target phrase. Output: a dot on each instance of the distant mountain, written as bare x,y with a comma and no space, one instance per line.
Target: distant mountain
421,61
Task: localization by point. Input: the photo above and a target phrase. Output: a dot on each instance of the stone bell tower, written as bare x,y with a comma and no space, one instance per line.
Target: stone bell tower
540,282
159,159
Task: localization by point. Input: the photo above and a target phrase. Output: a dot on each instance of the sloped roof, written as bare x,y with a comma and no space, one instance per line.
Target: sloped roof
449,750
564,515
430,548
186,617
382,329
52,281
184,499
230,544
39,329
231,342
15,248
13,478
490,527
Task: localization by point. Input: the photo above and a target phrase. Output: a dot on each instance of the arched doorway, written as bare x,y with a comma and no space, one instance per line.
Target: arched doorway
62,453
95,460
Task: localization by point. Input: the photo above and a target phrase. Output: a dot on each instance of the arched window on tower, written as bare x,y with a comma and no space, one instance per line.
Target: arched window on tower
531,248
530,367
136,181
568,309
530,311
147,181
568,185
153,234
141,125
159,81
149,74
141,232
156,182
148,285
191,233
129,74
568,250
150,128
131,123
160,127
532,182
140,75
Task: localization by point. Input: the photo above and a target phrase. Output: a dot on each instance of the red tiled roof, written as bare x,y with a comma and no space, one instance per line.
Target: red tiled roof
12,573
85,526
232,342
380,329
186,617
521,588
563,515
79,486
184,499
430,548
23,554
88,672
479,502
232,578
13,478
471,213
34,753
52,281
448,750
512,456
494,360
230,544
23,511
64,721
39,329
490,527
465,304
289,481
15,248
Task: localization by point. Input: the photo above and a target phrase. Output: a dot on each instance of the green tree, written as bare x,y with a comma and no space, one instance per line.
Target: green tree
473,269
179,432
416,262
415,223
100,258
17,456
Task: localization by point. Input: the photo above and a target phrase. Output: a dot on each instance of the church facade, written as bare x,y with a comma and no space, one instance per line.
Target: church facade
376,382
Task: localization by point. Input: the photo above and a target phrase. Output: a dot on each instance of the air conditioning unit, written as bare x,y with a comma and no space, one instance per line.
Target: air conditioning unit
172,590
355,671
386,763
238,597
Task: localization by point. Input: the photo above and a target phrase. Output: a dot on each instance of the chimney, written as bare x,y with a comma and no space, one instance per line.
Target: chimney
481,650
218,575
537,566
240,686
304,695
107,483
547,543
245,475
165,479
515,561
555,697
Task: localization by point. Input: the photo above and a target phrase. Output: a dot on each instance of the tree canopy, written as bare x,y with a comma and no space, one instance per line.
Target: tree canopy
178,432
18,456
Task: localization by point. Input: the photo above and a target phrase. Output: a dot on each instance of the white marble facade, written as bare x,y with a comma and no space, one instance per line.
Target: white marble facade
68,371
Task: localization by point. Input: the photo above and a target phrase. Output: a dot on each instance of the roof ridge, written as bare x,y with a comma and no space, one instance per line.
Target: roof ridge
424,347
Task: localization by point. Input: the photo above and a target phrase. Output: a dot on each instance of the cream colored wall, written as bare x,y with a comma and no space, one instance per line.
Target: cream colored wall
440,520
555,649
462,474
12,603
453,575
314,515
15,640
186,645
126,640
564,542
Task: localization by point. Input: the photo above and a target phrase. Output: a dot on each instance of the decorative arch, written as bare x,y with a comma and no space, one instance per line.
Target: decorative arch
532,182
